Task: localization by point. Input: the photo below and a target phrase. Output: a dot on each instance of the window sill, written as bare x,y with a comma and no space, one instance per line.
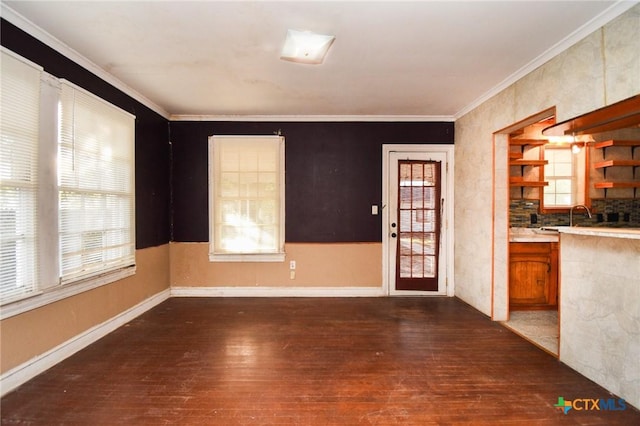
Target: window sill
552,210
248,257
57,293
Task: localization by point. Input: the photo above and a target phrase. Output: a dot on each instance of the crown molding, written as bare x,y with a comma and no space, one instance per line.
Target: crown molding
300,118
599,21
33,30
594,24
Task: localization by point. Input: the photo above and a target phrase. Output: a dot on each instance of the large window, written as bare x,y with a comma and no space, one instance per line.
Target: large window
19,125
246,194
96,204
67,188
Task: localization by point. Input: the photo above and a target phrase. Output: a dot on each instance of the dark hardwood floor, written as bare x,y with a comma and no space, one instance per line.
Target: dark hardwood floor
342,361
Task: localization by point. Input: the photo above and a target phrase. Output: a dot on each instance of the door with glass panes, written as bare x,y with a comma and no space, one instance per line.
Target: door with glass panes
415,221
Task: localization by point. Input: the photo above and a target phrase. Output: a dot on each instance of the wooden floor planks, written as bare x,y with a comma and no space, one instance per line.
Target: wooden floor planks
298,361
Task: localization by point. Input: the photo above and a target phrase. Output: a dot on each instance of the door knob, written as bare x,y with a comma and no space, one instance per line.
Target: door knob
393,225
393,235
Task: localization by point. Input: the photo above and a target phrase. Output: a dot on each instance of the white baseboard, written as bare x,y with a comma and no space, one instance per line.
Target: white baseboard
277,292
21,374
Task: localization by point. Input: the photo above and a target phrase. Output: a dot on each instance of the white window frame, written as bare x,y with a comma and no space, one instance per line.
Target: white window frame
116,242
20,177
215,256
49,287
577,176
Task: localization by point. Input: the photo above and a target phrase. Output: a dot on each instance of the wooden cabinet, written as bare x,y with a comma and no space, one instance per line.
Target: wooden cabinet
533,275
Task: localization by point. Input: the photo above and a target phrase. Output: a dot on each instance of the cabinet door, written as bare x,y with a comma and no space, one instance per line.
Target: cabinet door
529,280
533,275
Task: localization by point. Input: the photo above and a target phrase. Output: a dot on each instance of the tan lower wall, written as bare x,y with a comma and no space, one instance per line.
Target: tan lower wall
35,332
317,265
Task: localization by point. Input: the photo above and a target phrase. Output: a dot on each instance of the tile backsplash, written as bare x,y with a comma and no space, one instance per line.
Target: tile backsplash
606,212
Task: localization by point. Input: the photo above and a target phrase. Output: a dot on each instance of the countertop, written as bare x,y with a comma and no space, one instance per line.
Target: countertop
552,233
533,235
632,233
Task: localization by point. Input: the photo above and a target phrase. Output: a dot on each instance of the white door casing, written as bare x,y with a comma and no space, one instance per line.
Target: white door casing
391,155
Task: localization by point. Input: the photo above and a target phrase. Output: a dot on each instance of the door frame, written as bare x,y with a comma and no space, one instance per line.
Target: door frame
500,214
446,253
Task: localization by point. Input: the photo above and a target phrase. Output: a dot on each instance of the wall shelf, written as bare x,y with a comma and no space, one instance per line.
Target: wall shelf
606,185
620,162
531,142
531,184
524,163
633,144
614,163
516,159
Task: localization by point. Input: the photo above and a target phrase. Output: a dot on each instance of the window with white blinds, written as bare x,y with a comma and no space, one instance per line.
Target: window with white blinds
246,197
96,185
19,129
67,220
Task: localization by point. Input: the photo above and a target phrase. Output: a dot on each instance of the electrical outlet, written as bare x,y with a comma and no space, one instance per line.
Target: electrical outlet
292,265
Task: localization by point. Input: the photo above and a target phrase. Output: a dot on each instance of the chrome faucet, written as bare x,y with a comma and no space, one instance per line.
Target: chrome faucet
576,206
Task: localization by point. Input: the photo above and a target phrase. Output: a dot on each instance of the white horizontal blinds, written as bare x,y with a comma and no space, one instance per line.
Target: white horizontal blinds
19,123
247,189
96,185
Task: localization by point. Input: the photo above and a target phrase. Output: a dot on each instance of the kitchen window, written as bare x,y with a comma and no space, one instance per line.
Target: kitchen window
565,174
246,198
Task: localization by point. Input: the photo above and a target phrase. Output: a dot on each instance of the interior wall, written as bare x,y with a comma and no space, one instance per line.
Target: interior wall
317,265
333,174
601,69
28,335
333,177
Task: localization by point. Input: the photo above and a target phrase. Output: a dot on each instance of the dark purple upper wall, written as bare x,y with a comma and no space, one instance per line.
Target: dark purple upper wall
152,134
333,174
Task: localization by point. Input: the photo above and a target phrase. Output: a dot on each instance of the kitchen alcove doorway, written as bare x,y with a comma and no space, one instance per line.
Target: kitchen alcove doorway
540,326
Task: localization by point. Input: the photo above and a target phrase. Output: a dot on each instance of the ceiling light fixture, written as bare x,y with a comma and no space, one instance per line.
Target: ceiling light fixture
306,47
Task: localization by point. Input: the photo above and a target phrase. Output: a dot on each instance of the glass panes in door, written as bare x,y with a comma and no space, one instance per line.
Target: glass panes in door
418,225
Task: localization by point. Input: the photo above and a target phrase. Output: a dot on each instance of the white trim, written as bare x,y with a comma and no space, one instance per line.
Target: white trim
21,374
247,257
599,21
277,291
22,59
213,156
54,294
447,220
38,33
313,118
594,24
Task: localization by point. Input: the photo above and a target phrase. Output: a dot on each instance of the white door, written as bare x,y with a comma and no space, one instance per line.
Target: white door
416,219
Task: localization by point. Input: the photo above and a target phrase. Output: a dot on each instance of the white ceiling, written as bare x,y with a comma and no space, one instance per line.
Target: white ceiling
418,59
